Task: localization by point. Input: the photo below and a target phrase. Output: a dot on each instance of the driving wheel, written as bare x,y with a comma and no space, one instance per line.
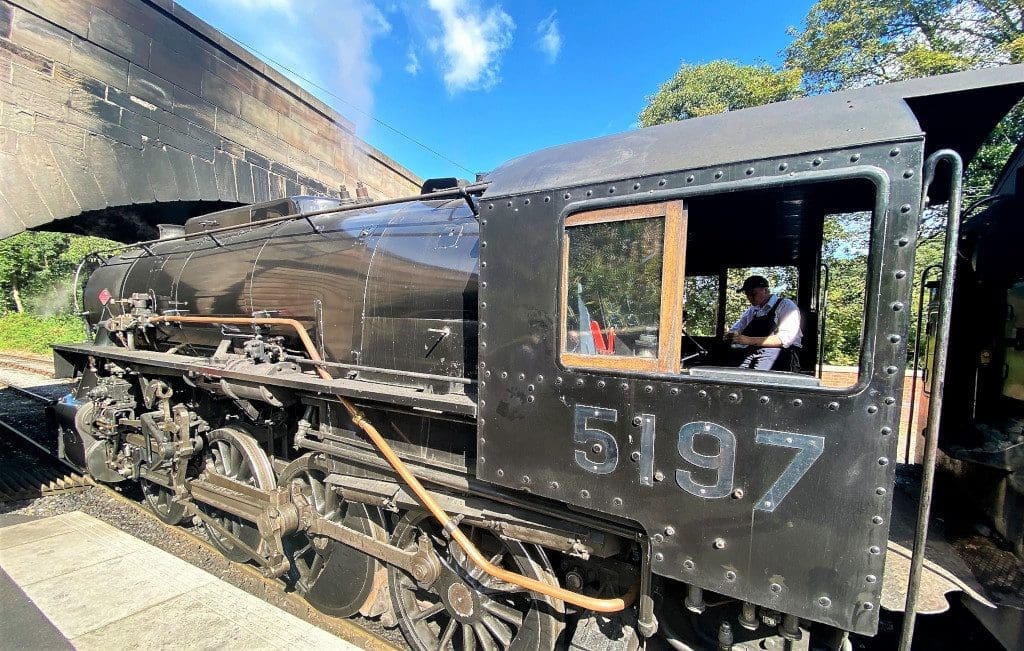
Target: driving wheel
161,502
334,578
235,455
463,608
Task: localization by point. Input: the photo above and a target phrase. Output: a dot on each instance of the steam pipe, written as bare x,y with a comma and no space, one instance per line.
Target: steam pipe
576,599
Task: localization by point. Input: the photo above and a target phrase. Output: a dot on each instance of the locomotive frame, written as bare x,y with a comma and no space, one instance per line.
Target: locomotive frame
439,328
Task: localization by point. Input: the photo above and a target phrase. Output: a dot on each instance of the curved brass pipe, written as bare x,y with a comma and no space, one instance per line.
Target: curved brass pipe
612,605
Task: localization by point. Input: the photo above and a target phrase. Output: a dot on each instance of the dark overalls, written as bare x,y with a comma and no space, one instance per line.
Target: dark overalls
768,359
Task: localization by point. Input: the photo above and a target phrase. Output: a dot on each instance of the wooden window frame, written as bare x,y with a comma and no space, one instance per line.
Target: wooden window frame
673,262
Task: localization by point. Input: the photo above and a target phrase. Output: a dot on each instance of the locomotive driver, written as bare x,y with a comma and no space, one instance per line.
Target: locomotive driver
768,334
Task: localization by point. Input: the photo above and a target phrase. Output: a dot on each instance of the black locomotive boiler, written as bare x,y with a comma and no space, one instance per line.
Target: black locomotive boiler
502,414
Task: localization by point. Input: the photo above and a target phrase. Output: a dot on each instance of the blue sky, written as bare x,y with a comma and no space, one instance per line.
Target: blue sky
481,82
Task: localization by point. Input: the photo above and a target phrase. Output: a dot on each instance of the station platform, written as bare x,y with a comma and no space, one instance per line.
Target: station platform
72,581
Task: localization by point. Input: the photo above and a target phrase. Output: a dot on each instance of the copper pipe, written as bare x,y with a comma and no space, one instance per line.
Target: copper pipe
613,605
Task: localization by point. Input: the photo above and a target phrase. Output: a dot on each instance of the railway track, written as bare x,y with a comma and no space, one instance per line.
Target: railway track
28,466
27,364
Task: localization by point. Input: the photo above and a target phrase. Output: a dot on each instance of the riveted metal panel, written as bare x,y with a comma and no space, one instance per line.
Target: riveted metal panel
760,487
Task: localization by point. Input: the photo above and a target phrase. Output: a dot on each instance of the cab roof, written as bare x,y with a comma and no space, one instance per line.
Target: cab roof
956,111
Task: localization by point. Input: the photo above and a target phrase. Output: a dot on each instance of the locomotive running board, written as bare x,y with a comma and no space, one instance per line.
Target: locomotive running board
68,357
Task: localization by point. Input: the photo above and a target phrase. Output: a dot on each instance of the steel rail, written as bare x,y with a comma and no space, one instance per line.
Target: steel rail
931,445
27,439
611,605
32,394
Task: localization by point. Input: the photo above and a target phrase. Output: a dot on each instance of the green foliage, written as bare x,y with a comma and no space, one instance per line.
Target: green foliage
716,87
37,270
1015,50
31,333
781,280
850,43
984,169
846,44
701,306
845,243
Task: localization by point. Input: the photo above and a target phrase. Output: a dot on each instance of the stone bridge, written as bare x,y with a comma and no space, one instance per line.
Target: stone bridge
116,115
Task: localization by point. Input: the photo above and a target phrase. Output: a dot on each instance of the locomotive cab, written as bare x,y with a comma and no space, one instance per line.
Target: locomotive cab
607,280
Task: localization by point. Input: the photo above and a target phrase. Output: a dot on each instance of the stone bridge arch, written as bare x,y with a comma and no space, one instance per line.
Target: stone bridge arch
120,110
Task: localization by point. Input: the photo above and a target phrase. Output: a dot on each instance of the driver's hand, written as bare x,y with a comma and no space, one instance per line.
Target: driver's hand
729,336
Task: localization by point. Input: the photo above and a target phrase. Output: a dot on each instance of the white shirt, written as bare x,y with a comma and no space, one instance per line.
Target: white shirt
787,320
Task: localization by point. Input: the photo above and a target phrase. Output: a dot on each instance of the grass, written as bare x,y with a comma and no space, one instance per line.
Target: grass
30,333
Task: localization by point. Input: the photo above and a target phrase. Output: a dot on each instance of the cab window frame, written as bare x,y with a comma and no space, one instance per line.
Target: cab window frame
674,214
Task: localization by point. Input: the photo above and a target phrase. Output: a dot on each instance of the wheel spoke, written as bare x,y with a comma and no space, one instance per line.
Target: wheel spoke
429,611
468,639
236,460
498,587
220,455
499,630
507,613
317,491
316,566
244,473
477,572
446,638
486,641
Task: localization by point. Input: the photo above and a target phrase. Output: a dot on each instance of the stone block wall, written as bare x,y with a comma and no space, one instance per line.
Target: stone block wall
115,102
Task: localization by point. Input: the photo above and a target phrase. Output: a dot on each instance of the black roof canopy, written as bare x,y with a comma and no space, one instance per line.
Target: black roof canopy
956,111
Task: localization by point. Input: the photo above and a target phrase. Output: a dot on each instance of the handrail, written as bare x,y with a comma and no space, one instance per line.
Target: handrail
931,445
462,192
422,495
823,315
917,359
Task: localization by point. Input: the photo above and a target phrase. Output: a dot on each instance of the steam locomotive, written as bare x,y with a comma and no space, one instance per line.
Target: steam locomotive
500,414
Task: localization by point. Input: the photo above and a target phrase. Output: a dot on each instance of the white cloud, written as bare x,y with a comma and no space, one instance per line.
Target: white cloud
549,39
413,65
286,7
473,41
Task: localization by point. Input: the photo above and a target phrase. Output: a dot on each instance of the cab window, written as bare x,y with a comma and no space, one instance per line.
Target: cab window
620,287
658,287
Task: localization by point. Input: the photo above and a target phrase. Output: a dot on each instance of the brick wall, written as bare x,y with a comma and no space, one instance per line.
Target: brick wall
116,102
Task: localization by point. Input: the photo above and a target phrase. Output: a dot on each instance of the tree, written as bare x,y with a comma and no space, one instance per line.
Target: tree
851,43
984,169
27,259
716,87
36,269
